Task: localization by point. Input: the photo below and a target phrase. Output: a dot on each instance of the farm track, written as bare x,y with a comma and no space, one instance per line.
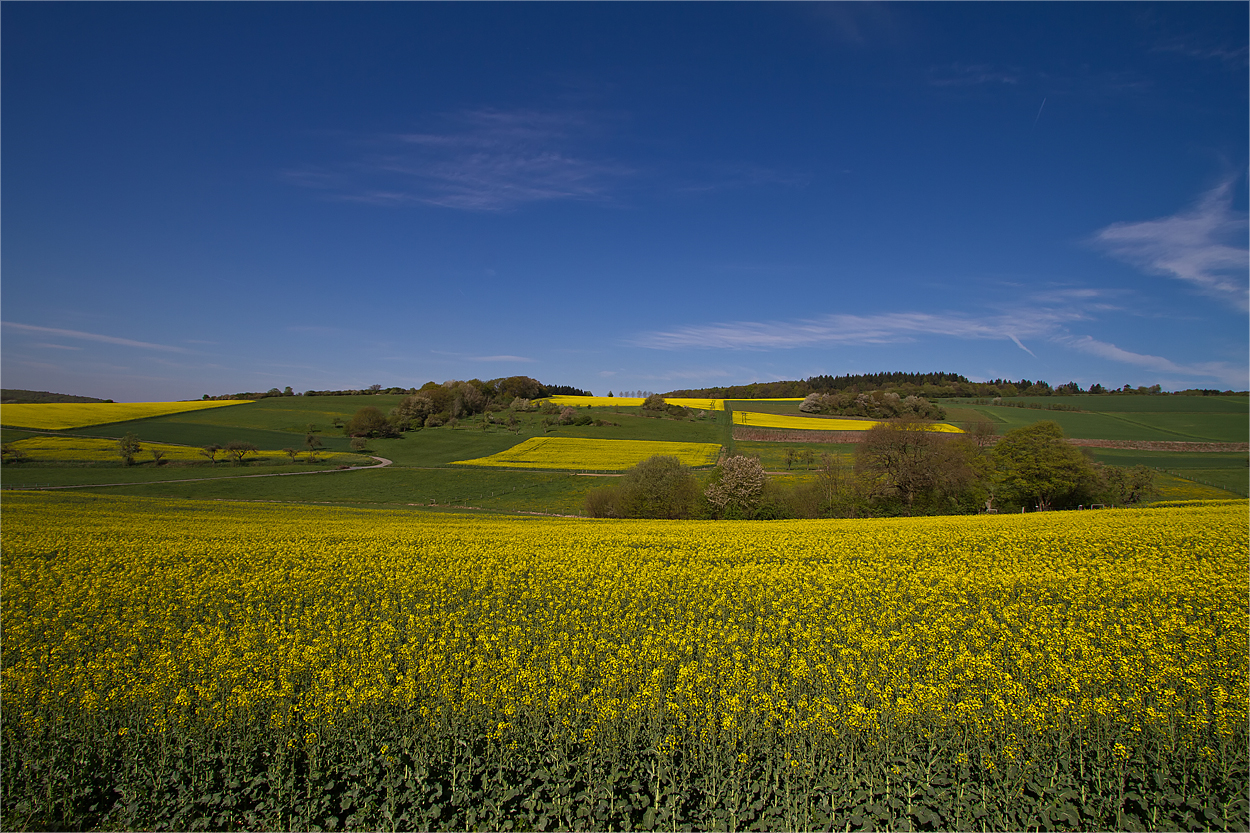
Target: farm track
382,463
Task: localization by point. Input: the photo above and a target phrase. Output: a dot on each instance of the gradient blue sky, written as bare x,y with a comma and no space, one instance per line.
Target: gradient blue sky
221,197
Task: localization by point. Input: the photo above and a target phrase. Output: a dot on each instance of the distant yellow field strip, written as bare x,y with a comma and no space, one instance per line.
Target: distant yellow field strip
56,415
573,454
96,450
757,420
635,401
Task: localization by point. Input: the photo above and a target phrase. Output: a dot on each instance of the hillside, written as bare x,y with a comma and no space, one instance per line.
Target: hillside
17,396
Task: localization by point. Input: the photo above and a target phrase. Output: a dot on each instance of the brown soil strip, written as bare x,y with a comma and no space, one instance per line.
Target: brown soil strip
1154,445
747,434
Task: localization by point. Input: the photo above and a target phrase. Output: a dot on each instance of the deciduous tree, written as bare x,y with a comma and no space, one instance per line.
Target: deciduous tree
127,447
237,450
736,486
1037,467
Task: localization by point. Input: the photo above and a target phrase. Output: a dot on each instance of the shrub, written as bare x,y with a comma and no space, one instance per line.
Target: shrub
370,422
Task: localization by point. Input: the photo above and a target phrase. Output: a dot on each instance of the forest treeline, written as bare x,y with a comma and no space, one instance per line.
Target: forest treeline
17,396
927,385
516,385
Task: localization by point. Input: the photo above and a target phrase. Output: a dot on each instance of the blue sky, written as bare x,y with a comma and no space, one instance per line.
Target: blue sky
222,197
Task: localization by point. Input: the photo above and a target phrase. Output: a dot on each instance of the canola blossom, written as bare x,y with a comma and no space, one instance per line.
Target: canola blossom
192,642
758,420
575,454
634,402
54,416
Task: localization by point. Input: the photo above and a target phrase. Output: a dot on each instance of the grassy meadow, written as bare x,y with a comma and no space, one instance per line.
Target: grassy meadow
423,467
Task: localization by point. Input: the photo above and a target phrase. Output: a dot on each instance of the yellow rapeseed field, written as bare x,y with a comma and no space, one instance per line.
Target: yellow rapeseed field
634,402
574,454
1010,647
58,449
759,420
57,415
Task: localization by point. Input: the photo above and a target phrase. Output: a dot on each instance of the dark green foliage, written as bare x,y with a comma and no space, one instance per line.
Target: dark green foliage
13,396
369,422
394,771
127,447
658,487
1037,468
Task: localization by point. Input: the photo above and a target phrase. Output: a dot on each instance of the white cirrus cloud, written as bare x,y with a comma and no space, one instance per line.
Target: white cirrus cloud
1228,375
103,339
1027,321
1204,246
485,160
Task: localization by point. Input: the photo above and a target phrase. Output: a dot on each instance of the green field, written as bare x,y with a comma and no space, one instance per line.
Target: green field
1224,419
422,472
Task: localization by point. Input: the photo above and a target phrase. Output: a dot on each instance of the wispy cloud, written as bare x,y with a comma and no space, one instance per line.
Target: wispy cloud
1046,316
1204,246
1227,374
485,160
124,342
498,359
971,75
885,328
467,358
1192,45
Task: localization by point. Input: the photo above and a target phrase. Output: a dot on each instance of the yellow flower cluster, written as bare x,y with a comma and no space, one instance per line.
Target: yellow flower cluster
54,416
55,449
634,402
1112,627
801,423
574,454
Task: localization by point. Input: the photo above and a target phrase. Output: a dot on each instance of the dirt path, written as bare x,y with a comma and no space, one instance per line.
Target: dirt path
382,463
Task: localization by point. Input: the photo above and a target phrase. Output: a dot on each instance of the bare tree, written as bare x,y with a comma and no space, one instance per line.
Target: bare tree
237,450
211,451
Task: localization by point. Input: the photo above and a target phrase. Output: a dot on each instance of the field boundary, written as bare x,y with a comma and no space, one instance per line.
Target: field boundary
781,435
382,463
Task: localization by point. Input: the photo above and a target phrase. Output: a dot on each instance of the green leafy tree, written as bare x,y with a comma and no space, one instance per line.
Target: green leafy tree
654,402
1122,486
369,422
127,447
658,487
1037,467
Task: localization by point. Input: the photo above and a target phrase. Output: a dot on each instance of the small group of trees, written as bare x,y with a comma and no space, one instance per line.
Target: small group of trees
901,468
235,450
875,404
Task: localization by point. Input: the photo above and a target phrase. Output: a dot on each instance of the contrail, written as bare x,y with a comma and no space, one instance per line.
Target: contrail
1039,112
1020,344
